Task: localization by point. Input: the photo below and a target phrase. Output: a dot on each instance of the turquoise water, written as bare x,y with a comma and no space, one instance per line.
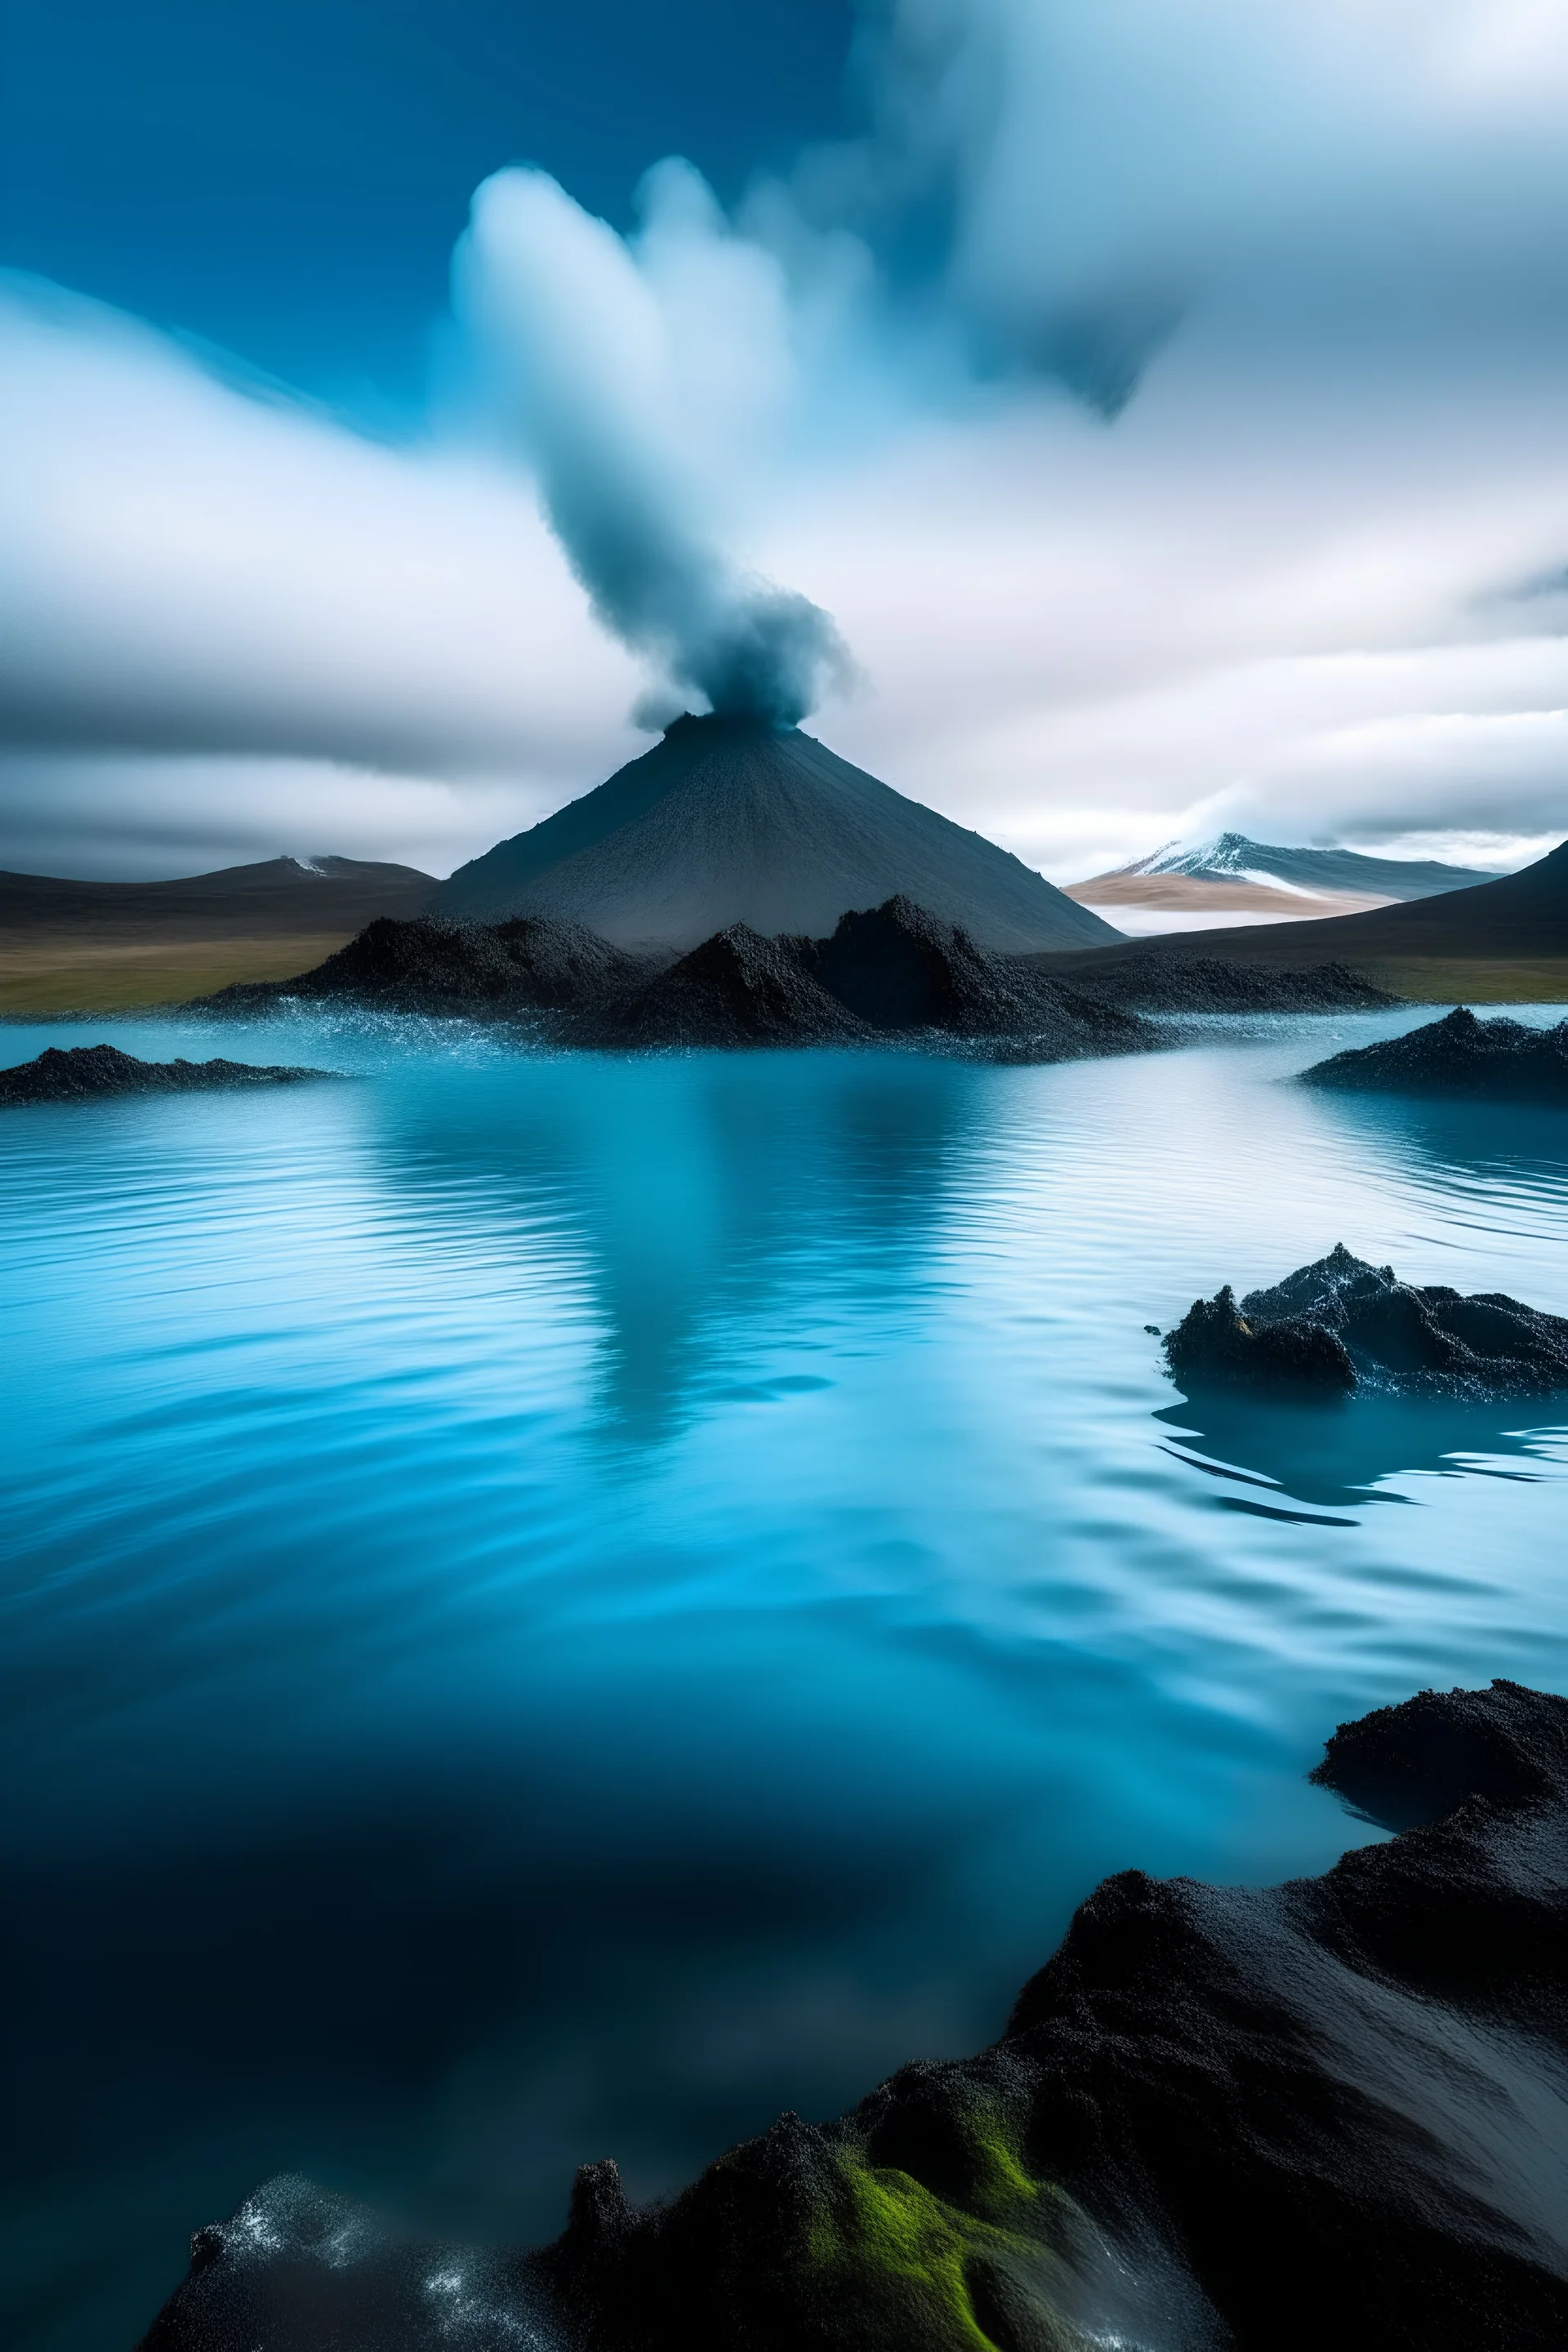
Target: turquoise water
556,1606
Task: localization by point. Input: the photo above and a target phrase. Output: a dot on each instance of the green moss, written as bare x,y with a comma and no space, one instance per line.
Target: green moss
897,2259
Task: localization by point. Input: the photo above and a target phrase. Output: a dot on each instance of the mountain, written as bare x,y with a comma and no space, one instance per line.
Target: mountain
283,893
76,947
737,821
1505,936
1232,858
1237,879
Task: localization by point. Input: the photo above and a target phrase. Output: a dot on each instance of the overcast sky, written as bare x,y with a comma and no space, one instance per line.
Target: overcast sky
1164,401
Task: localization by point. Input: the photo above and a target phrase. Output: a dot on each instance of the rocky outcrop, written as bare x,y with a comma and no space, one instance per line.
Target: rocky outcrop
894,969
424,965
1500,1061
736,988
91,1073
1159,983
1341,1324
1274,2119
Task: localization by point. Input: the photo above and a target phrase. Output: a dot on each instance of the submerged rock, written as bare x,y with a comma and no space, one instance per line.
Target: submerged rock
90,1073
1339,1324
1333,2112
1503,1060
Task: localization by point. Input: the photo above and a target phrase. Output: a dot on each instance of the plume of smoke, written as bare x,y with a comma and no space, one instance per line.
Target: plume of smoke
635,375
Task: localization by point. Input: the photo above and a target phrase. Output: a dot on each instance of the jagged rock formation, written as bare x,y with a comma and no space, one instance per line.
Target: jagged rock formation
739,821
736,988
1272,2119
1157,983
428,965
1505,1060
894,969
1341,1324
91,1073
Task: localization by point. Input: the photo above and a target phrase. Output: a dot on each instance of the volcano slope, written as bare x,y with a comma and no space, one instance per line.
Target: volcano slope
1277,2119
739,821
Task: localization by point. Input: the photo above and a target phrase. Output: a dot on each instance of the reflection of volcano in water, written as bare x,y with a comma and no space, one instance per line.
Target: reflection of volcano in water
732,820
701,1198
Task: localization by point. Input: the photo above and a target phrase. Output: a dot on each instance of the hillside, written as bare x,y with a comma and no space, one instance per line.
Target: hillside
1234,878
69,945
730,821
1500,941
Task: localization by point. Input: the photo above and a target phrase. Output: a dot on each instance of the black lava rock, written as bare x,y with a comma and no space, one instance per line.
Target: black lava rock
1333,2112
894,969
1153,983
736,988
1340,1323
90,1073
426,965
1215,1343
1501,1060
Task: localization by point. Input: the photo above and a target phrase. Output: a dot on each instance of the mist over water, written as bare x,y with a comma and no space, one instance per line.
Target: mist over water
556,1606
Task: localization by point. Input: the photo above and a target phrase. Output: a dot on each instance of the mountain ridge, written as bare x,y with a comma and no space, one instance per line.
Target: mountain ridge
1235,857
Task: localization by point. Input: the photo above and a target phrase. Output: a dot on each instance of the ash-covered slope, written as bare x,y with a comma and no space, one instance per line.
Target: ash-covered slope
1221,2120
1499,1061
1147,983
426,965
739,821
892,969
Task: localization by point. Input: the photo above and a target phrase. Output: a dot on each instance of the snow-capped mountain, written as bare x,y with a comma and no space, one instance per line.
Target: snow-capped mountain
1232,858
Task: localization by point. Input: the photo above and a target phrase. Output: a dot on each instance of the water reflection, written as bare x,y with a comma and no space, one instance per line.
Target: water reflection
703,1198
1334,1457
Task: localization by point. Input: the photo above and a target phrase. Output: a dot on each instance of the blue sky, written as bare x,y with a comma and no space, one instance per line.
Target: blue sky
287,177
1163,399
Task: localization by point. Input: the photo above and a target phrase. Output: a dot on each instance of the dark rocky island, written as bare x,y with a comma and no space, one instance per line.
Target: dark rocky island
93,1073
1500,1061
1341,1324
1331,2112
894,969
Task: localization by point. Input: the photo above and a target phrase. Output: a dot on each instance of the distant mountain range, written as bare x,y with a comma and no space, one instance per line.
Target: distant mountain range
1234,876
730,821
1507,936
279,893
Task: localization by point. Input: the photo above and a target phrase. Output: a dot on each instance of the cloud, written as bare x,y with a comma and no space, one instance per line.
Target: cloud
199,569
1165,396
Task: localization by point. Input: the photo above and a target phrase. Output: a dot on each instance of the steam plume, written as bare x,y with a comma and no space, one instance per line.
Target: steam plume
614,366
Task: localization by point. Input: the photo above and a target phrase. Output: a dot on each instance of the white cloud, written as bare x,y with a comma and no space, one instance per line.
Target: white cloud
1313,580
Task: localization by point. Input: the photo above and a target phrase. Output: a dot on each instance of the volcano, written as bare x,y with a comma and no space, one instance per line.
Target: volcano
741,821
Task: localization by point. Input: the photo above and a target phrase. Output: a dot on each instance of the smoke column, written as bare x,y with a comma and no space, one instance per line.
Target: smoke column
585,350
